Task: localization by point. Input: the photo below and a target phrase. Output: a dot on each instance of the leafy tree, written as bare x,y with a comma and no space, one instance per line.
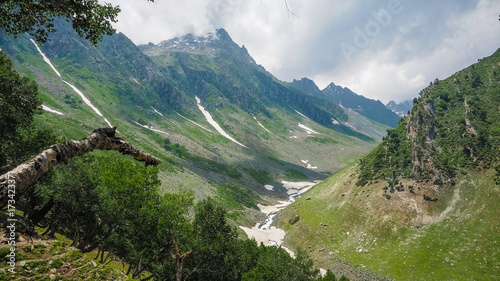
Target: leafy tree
19,99
89,18
215,243
343,278
329,276
19,102
276,264
65,201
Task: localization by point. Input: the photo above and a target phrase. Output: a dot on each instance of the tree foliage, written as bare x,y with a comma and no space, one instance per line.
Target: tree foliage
89,18
19,100
112,203
19,103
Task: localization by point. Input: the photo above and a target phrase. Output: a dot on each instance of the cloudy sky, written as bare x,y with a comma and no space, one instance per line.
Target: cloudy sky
382,49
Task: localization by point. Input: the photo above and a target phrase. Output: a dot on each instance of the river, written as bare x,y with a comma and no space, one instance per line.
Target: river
271,235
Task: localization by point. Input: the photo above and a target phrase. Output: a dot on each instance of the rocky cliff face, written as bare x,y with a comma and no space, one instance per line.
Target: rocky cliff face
421,132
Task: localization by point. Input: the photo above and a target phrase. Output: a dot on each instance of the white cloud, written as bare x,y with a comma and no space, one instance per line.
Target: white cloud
424,40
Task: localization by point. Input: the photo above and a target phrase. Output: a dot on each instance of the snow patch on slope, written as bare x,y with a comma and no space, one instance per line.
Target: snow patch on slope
308,130
87,102
156,111
309,166
201,126
260,124
82,96
45,58
302,114
151,128
46,108
212,122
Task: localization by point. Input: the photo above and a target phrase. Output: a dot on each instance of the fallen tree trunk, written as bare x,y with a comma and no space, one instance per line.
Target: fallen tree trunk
29,172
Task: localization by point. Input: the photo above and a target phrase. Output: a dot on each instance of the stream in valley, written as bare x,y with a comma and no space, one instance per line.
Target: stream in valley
271,235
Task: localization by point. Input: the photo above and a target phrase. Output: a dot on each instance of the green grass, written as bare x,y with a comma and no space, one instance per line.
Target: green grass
235,197
462,245
295,175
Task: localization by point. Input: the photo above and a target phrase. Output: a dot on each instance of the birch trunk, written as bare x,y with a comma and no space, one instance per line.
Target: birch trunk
29,172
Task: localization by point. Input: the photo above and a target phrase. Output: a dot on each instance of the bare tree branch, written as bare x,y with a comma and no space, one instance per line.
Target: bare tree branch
288,9
29,172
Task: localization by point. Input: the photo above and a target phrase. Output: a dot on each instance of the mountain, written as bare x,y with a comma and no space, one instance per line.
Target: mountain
307,86
423,205
346,98
222,125
400,109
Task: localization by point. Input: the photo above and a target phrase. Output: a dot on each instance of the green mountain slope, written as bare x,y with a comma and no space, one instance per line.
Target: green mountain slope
150,93
423,205
372,109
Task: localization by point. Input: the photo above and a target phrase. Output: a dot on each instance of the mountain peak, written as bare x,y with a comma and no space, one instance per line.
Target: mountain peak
210,44
400,109
343,96
306,86
223,35
332,85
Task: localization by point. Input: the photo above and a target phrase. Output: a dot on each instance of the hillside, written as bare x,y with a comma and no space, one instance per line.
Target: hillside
54,259
423,205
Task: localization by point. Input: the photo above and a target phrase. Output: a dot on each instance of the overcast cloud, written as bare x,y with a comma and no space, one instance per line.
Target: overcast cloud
384,49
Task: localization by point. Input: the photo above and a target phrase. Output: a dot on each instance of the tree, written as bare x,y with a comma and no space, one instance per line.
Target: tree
214,243
15,111
89,18
276,264
329,276
66,201
19,102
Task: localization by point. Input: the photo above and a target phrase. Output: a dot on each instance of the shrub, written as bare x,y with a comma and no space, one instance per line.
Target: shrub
427,198
74,255
56,263
438,182
294,220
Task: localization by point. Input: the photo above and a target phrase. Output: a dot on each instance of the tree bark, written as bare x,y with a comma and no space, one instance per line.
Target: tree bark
178,260
38,215
98,252
28,173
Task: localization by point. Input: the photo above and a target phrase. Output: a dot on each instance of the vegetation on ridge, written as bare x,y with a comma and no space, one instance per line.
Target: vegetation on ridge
454,125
